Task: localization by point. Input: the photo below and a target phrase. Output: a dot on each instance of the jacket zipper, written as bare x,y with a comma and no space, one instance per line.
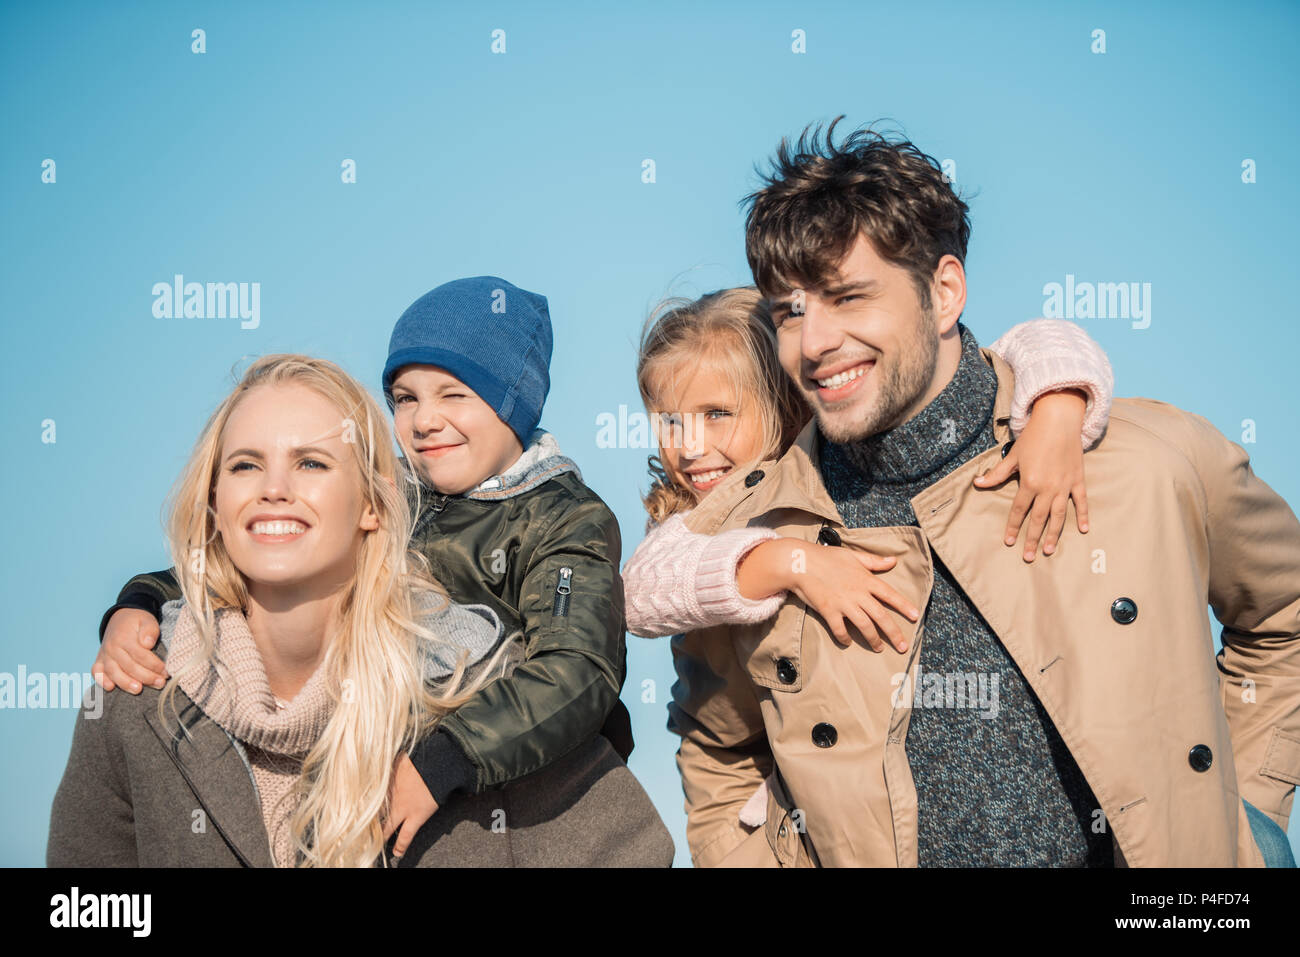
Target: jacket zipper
562,590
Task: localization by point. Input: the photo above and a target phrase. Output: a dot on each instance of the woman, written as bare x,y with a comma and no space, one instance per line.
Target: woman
308,654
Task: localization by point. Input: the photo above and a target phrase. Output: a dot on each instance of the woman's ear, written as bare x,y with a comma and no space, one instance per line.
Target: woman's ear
369,516
369,519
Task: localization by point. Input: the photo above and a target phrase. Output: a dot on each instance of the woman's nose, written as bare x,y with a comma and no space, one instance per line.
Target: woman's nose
276,484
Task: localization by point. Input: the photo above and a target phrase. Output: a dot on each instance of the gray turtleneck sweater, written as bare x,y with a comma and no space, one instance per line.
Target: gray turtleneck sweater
1000,790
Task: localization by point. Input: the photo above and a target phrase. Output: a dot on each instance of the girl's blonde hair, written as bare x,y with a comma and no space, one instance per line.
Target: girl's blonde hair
731,332
373,663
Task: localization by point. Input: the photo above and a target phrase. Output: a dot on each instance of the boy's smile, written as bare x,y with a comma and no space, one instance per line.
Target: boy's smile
448,432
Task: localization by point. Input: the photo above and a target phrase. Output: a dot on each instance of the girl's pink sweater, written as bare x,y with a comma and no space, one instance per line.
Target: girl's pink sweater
678,581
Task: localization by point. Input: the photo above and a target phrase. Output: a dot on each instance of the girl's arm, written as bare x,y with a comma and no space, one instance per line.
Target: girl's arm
678,581
1066,378
1053,355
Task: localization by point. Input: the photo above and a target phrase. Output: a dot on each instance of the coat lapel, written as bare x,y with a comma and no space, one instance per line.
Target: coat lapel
215,771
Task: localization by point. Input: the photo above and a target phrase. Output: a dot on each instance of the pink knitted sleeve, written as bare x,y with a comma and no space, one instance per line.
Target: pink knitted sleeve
1051,354
678,580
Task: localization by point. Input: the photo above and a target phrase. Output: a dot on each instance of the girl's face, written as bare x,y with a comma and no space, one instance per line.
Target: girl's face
288,496
448,432
710,435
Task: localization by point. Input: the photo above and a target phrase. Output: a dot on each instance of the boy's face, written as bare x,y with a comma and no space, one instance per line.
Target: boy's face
451,435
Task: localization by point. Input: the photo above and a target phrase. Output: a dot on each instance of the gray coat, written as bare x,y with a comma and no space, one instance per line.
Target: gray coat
138,791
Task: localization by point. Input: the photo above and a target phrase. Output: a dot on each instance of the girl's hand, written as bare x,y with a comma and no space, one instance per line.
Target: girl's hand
1049,457
409,805
838,583
124,660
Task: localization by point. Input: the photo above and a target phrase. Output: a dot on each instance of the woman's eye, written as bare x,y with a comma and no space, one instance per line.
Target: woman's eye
239,466
315,462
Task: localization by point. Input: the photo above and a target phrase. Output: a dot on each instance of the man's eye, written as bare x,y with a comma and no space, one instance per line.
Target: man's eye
847,298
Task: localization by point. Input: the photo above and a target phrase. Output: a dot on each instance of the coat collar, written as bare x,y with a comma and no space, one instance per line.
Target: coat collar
209,760
794,480
541,461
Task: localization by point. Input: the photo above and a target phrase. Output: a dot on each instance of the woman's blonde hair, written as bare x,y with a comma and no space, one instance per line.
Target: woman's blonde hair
373,662
729,331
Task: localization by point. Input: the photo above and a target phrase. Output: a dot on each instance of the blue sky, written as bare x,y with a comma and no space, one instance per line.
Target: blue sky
1122,166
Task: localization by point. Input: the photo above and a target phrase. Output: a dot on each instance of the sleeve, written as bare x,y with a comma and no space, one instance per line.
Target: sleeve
148,592
678,580
724,756
474,630
1254,590
574,659
91,820
1048,355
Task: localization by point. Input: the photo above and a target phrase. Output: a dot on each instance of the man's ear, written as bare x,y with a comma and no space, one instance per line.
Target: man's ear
948,293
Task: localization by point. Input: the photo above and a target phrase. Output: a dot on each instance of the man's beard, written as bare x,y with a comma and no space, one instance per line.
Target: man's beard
902,382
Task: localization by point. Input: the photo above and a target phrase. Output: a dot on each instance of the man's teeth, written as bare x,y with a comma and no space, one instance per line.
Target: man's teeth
841,378
704,478
278,528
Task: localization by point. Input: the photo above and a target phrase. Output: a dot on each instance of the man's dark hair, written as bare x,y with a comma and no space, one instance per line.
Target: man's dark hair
818,196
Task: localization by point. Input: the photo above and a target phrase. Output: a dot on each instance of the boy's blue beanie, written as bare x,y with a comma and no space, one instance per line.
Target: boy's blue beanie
489,334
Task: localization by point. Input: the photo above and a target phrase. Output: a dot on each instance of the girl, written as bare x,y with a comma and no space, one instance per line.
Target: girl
741,408
310,650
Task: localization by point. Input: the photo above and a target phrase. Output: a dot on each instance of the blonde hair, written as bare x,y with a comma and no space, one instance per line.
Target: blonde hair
373,663
729,331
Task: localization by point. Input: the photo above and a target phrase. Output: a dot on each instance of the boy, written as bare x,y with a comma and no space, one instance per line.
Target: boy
505,520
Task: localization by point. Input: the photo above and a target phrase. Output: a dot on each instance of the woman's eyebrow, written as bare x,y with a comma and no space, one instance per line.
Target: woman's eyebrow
300,450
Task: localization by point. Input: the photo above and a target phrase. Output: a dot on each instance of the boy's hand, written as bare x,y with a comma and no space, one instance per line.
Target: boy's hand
124,660
1049,457
409,805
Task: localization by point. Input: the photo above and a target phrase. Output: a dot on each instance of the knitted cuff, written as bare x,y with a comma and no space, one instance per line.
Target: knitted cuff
443,766
715,583
144,601
1096,412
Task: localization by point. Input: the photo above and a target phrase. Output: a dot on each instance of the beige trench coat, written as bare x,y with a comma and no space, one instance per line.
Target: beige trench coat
1170,739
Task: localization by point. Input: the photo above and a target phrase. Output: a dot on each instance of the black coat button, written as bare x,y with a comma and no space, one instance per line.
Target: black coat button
1200,757
753,478
786,671
1007,448
1124,610
824,735
828,536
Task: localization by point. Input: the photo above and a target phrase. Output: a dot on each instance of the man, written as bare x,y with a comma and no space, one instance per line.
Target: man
1065,712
